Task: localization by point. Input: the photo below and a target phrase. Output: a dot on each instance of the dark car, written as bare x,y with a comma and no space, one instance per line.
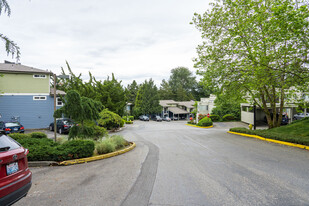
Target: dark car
63,125
284,121
157,118
143,118
11,127
15,176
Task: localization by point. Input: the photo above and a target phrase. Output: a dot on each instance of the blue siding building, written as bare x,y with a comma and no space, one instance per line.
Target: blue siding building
26,96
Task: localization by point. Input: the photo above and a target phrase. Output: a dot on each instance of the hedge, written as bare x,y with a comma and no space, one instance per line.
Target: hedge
214,117
273,135
228,117
205,122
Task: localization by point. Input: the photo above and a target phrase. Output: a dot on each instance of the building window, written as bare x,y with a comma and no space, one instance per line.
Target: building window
39,97
59,102
42,76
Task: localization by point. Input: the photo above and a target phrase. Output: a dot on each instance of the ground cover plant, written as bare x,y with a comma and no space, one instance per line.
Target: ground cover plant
298,132
111,144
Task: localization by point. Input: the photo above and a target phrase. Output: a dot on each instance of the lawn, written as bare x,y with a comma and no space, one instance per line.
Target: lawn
297,132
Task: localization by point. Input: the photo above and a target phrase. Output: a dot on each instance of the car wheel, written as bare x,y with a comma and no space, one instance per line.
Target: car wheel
60,131
50,128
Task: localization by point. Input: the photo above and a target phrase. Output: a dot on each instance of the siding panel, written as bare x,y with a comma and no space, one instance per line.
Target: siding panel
33,114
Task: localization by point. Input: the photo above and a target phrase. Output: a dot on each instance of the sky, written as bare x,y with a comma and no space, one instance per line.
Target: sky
135,40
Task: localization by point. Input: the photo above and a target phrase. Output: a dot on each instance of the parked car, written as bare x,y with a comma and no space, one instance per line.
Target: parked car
11,127
166,119
143,118
300,116
63,125
284,121
174,118
15,176
157,118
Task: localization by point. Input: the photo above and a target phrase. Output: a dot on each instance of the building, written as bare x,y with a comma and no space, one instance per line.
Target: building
26,96
206,105
181,110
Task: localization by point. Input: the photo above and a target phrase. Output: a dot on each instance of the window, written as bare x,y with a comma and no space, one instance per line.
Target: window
39,76
59,102
39,97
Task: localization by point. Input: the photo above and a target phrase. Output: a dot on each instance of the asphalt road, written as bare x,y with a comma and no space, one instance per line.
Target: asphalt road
174,164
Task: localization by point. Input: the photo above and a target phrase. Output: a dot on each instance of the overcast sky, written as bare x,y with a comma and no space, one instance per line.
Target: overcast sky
134,39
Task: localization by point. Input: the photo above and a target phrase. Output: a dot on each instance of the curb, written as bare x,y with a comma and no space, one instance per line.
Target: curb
42,163
198,126
272,140
99,157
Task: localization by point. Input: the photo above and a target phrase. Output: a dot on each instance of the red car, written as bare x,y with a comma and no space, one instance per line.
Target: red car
15,176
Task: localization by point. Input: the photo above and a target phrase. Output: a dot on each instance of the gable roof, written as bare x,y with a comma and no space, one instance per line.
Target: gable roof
18,68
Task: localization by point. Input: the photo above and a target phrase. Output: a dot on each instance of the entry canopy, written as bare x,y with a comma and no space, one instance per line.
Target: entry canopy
176,110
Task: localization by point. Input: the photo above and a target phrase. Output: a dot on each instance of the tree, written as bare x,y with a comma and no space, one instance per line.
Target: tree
147,99
79,108
165,91
131,92
182,83
111,94
10,46
255,48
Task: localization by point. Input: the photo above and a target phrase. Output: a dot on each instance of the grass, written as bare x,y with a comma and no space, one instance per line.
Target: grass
298,132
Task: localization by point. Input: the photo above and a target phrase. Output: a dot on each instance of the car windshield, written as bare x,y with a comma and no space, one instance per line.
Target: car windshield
67,122
7,143
12,124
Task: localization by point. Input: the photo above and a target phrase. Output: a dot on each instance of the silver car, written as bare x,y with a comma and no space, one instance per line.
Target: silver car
300,116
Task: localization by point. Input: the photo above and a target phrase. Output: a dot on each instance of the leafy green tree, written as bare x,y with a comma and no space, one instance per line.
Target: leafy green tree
182,83
10,46
131,92
110,120
80,109
111,94
255,48
165,91
147,99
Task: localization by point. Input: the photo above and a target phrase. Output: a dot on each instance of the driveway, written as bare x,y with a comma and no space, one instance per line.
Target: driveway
174,164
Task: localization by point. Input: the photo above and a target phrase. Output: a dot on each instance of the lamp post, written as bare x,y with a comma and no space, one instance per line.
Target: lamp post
55,96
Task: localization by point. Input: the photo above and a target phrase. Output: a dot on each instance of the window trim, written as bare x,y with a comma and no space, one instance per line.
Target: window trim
40,98
40,76
57,101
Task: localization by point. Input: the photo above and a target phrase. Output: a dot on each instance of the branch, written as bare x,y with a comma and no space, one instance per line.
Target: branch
10,46
5,6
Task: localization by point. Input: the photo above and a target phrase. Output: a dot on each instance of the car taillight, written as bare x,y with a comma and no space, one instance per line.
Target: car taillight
22,128
26,151
65,125
7,129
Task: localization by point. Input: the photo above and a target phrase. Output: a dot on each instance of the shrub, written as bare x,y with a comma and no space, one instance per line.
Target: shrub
214,117
77,148
129,122
38,135
228,117
105,147
128,118
110,120
90,130
205,122
119,141
201,116
18,136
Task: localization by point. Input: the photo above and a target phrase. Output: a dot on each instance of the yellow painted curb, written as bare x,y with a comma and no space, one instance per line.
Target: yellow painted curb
272,140
199,126
99,157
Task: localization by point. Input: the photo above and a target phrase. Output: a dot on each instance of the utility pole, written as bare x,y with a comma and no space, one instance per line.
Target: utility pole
55,95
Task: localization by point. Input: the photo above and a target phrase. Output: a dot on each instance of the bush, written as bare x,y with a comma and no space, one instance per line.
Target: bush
105,147
228,117
77,148
214,117
128,118
90,130
201,116
129,122
119,141
18,136
205,122
38,135
110,120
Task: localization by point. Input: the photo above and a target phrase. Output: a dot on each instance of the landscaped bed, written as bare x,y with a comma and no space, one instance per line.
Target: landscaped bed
297,132
43,149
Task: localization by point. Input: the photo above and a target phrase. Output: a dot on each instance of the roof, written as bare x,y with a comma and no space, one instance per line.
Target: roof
58,92
177,110
18,68
166,103
188,104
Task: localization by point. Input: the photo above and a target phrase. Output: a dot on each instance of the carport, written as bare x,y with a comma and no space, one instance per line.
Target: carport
177,111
